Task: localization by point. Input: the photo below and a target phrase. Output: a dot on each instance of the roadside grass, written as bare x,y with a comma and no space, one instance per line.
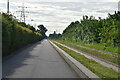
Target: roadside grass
98,69
96,46
109,57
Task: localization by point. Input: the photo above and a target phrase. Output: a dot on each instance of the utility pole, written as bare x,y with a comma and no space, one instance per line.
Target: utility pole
8,6
119,6
22,13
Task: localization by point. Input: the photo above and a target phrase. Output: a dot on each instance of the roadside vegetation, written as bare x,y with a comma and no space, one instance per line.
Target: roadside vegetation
16,34
98,46
98,69
102,34
109,57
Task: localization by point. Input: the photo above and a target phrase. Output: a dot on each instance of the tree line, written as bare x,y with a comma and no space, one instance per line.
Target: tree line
17,34
91,30
54,35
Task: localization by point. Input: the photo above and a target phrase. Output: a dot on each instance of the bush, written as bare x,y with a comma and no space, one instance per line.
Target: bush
14,36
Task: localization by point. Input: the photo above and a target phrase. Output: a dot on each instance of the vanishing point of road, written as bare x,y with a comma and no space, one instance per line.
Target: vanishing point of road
39,60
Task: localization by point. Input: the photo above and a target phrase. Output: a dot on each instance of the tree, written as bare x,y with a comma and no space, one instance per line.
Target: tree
54,35
42,29
90,30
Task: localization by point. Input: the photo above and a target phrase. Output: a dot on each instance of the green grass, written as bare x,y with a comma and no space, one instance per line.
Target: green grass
105,56
96,46
98,69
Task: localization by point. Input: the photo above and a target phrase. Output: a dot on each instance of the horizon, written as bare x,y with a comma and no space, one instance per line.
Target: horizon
56,16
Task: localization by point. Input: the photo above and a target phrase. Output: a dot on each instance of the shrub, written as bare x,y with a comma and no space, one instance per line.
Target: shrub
14,36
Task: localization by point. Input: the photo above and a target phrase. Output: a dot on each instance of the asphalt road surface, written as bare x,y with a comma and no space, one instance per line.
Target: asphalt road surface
39,60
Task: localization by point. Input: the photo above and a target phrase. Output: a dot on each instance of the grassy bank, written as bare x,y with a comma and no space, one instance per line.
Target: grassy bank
95,46
15,36
95,67
105,56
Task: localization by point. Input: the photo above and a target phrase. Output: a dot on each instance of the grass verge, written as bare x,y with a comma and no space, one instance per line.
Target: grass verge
98,69
109,57
95,46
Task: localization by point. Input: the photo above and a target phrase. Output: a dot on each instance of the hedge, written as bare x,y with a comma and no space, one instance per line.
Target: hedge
14,36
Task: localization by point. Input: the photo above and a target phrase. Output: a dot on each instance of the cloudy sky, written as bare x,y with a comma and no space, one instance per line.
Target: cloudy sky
56,15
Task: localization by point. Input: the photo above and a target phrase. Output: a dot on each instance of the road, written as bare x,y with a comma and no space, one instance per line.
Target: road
39,60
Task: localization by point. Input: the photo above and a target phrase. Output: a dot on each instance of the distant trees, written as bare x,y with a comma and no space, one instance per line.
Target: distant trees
91,30
54,35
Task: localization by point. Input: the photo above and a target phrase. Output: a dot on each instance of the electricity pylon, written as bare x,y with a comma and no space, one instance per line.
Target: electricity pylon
22,13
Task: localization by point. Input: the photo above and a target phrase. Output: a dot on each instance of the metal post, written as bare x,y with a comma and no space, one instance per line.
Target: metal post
8,6
119,6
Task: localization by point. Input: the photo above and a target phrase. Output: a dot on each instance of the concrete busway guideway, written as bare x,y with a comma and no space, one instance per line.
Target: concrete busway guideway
82,71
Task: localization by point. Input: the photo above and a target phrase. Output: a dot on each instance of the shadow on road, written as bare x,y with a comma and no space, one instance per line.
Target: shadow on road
18,59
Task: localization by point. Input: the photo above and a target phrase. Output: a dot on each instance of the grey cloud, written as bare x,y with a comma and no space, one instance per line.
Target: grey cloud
106,11
40,13
58,15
